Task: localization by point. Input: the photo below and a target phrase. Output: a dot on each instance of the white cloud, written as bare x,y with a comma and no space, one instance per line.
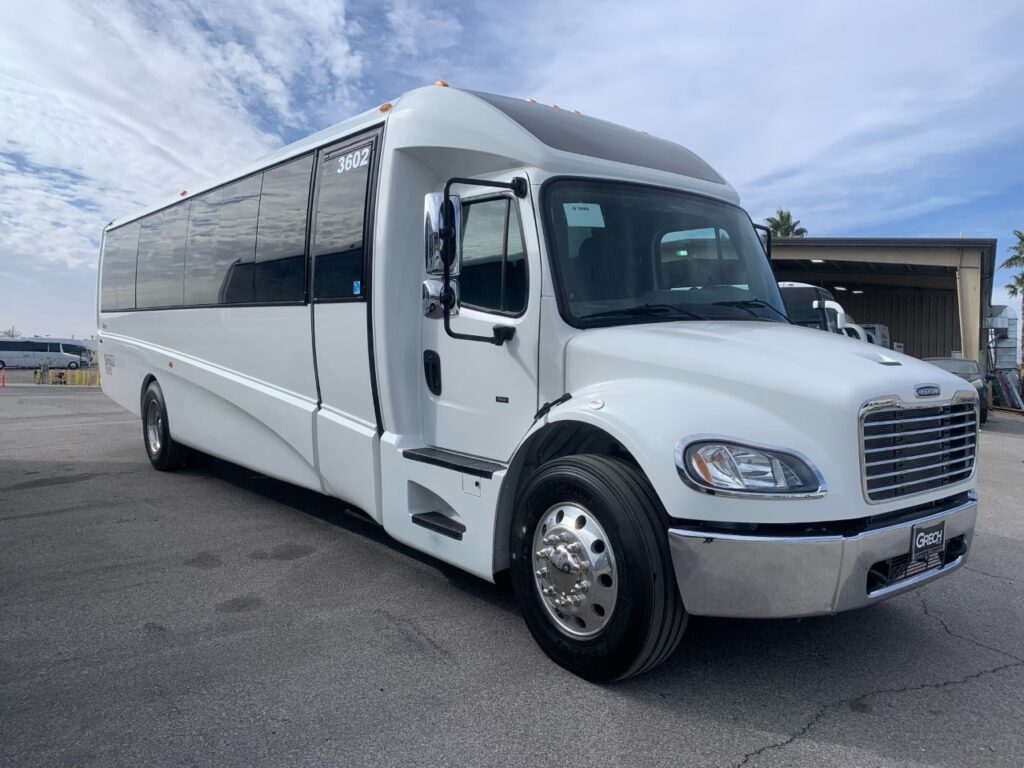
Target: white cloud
418,29
108,106
833,110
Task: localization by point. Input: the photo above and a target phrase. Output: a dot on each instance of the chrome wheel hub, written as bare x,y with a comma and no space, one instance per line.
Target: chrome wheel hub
574,570
154,426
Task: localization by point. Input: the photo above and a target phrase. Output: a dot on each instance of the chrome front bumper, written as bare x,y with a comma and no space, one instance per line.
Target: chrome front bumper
754,576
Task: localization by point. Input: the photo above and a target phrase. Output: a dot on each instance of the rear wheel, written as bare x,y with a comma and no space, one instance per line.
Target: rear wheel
164,453
591,568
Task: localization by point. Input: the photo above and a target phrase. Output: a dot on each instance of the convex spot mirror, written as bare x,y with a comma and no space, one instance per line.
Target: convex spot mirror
442,233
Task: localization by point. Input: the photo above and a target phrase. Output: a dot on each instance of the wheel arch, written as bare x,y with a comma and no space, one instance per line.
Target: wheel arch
567,436
148,379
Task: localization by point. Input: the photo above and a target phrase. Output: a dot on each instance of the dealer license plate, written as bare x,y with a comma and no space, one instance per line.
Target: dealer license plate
926,538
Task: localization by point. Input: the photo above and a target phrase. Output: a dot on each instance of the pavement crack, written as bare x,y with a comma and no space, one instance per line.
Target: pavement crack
990,575
965,638
825,709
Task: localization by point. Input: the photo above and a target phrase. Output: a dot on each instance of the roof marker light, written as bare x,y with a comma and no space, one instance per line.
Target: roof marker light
555,106
858,292
183,193
441,83
386,106
817,261
840,288
531,101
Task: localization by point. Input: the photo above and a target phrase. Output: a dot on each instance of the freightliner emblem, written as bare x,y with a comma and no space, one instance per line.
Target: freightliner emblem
927,390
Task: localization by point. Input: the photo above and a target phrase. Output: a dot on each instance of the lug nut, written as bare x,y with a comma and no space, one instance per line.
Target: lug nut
542,573
583,586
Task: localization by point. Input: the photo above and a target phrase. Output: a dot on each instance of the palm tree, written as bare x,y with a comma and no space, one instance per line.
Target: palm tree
1016,261
783,225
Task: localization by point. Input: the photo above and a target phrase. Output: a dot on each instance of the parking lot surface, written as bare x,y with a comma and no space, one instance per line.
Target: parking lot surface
216,617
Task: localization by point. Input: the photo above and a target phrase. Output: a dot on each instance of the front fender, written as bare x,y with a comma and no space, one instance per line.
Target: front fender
649,417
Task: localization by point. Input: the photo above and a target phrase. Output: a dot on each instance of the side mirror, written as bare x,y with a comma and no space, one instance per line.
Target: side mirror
764,234
442,233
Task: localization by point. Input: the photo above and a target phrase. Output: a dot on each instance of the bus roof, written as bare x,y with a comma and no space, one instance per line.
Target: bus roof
529,129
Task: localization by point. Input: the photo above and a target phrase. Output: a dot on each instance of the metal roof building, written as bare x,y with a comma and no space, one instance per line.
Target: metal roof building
934,294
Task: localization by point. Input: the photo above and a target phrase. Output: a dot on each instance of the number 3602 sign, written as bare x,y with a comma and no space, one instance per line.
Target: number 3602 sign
355,159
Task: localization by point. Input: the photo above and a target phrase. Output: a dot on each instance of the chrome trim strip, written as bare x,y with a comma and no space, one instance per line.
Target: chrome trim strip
915,470
886,435
895,403
686,442
924,442
915,418
917,456
972,501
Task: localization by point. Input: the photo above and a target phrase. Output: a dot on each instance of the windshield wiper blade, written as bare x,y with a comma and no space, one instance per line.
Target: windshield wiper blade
644,310
747,304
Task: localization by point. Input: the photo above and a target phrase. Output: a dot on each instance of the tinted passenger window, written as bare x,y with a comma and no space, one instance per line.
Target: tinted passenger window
493,273
161,265
120,247
220,260
340,214
281,237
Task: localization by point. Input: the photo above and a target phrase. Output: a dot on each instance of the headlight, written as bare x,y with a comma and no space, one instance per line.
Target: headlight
723,467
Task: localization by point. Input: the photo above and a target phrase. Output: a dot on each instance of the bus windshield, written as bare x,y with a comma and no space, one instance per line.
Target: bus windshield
626,253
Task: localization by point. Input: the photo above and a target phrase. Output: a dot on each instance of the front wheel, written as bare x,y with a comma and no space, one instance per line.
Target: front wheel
72,366
591,568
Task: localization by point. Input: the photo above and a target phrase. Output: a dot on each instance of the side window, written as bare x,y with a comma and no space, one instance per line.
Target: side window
120,248
220,259
161,271
338,246
493,275
281,235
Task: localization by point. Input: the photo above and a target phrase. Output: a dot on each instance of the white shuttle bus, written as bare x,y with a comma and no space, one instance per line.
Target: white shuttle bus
34,351
522,339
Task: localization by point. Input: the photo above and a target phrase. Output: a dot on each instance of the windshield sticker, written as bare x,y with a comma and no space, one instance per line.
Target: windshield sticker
584,215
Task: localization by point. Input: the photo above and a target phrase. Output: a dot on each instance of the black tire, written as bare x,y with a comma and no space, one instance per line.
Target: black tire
648,619
72,366
164,453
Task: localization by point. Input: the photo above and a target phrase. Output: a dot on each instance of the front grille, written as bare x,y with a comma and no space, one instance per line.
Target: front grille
907,451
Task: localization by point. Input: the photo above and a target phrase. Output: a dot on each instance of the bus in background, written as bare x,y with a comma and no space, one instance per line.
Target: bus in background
32,352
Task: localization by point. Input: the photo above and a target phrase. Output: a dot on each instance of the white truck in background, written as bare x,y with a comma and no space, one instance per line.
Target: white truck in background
812,306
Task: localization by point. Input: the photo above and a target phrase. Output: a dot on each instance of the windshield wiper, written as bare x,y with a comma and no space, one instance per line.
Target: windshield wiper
644,310
747,304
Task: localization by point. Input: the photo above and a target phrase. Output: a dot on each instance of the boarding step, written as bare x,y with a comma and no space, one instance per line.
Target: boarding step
439,523
450,460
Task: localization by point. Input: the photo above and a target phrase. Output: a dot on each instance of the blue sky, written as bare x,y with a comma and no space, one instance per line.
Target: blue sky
864,119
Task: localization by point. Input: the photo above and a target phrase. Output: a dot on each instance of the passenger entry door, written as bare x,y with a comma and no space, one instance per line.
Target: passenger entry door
346,421
487,395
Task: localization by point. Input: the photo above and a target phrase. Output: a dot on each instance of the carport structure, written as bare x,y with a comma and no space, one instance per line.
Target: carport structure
933,294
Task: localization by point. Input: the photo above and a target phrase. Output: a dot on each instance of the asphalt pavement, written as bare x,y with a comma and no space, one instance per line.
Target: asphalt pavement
215,617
